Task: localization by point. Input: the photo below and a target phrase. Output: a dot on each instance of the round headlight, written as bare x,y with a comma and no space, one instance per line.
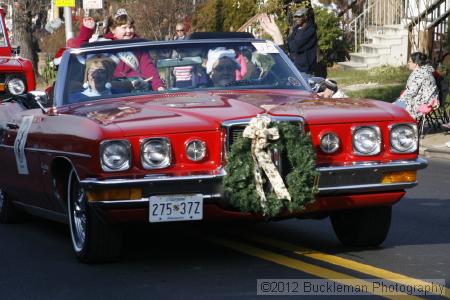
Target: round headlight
404,138
115,155
196,150
329,143
16,86
156,153
366,140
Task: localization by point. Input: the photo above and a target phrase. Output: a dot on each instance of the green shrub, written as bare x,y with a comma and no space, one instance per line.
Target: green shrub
329,35
48,71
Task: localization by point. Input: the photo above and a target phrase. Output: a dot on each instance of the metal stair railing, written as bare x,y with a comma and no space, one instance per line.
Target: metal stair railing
376,13
433,21
430,13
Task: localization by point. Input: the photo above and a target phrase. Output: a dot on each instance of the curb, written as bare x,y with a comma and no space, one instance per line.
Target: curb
434,153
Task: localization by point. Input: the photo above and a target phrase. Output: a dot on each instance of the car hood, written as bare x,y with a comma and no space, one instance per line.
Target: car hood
199,111
10,63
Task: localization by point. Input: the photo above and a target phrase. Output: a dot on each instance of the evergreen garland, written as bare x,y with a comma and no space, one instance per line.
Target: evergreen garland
301,182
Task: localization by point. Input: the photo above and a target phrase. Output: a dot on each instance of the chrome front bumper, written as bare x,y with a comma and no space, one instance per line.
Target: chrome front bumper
365,177
334,180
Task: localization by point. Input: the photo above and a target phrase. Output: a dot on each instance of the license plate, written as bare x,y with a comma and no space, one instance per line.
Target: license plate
171,208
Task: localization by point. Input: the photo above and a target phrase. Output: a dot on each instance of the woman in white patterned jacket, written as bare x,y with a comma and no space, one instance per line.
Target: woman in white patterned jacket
421,86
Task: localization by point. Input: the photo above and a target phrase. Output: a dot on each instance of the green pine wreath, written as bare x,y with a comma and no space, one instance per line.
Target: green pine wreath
301,182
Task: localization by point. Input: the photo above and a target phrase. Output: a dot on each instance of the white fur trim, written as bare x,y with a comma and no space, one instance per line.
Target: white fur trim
57,61
216,54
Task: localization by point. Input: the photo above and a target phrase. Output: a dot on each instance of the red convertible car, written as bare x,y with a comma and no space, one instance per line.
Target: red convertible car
142,131
16,73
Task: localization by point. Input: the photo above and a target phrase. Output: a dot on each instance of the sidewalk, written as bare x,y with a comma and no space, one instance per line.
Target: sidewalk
433,145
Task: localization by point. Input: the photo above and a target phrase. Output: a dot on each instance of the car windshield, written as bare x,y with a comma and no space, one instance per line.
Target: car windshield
116,71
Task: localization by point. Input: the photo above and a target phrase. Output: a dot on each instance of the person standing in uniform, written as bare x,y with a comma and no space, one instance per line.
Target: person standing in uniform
302,42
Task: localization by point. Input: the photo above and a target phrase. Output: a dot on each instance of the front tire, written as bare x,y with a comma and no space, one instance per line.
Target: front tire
8,213
93,240
364,227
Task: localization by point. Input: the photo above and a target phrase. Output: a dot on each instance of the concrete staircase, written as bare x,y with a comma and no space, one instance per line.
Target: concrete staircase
385,45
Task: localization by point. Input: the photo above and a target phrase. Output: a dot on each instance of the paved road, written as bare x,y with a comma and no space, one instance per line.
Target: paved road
181,261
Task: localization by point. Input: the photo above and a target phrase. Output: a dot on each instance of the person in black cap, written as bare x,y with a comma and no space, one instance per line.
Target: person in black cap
302,41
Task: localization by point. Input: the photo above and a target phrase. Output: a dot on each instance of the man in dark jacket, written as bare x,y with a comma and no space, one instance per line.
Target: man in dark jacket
302,41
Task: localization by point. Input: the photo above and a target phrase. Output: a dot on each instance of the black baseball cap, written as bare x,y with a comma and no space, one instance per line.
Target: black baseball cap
301,12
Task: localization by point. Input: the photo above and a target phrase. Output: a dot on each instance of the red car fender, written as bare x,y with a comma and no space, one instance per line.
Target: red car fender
28,70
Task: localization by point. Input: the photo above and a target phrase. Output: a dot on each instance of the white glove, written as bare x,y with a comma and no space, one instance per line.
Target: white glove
139,84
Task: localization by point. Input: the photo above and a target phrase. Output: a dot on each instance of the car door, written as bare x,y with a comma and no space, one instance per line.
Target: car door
21,173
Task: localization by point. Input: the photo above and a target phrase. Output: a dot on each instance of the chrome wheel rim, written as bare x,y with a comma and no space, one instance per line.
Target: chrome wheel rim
78,216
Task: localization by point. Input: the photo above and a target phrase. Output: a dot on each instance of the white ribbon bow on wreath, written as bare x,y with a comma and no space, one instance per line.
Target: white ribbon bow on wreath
258,130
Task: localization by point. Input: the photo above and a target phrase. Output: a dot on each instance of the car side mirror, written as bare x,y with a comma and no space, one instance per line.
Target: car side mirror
15,50
316,83
40,98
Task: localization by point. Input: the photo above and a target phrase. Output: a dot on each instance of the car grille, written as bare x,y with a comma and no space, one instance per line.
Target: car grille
327,179
234,131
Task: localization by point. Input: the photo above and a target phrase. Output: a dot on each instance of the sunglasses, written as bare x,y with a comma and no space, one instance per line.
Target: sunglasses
97,72
180,30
